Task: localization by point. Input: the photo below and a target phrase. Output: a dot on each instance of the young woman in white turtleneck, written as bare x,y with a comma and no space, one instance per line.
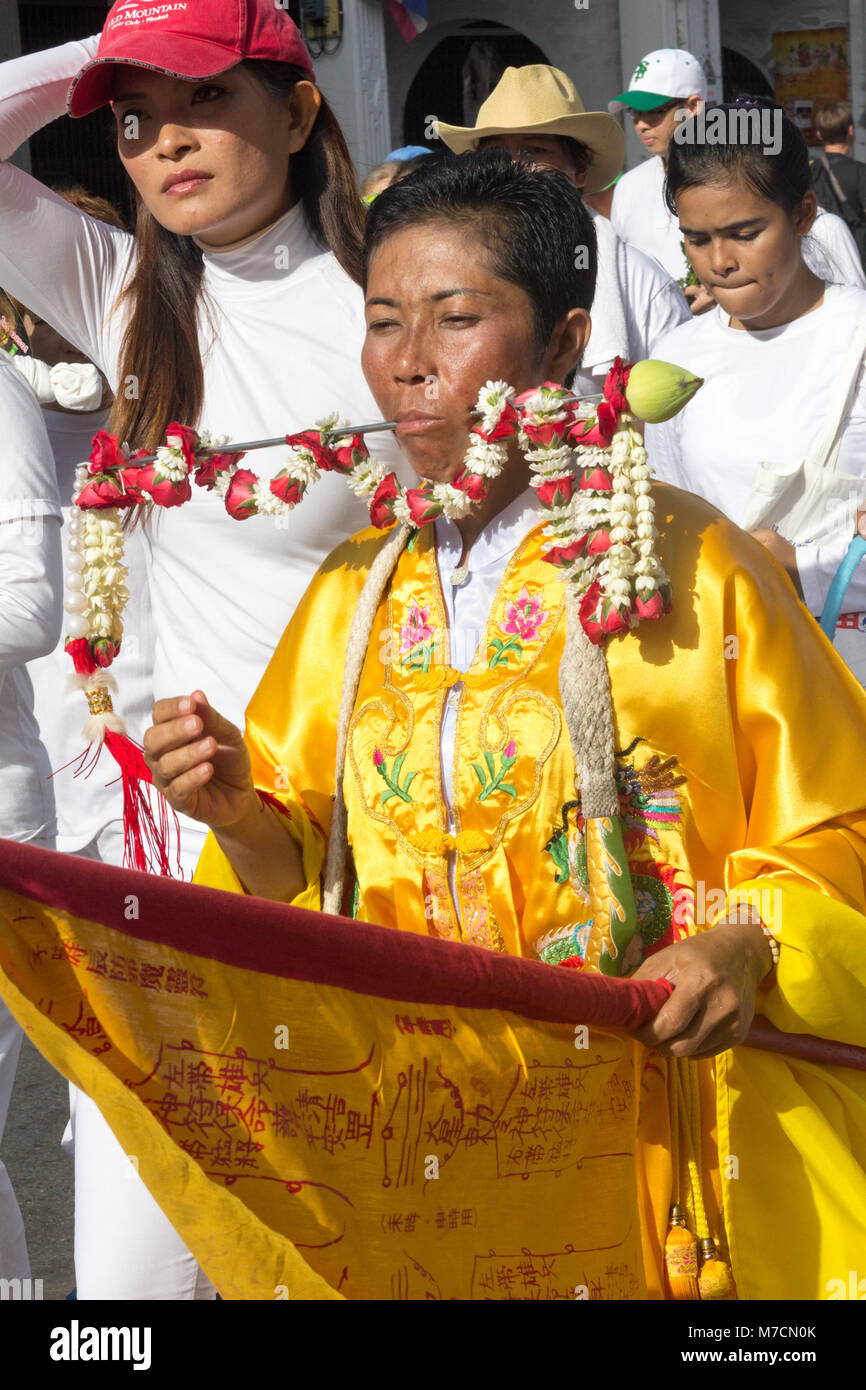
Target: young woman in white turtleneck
280,330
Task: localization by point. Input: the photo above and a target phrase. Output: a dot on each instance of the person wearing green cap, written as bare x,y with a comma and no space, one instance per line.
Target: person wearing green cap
666,86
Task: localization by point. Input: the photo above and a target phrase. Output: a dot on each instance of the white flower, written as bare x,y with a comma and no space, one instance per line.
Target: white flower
302,466
492,399
453,502
365,478
487,460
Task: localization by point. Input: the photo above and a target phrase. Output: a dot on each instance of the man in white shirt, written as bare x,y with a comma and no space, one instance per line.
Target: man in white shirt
667,87
535,113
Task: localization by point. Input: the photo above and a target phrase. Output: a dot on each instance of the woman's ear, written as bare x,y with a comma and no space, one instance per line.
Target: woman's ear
304,103
568,340
805,213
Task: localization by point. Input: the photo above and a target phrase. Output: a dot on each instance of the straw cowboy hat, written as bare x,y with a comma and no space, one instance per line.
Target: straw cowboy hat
545,101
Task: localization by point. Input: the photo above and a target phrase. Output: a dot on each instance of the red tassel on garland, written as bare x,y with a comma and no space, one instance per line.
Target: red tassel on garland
147,816
152,830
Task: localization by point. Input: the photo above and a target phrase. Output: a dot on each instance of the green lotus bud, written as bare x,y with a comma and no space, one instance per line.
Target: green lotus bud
657,391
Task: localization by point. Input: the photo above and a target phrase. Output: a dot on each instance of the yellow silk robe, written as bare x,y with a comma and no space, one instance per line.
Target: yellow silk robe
741,757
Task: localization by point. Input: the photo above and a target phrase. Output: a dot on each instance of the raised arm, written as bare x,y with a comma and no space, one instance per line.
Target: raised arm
65,266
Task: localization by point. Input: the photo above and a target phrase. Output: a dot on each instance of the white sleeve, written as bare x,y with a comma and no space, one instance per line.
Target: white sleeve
664,452
618,212
830,252
31,580
655,303
65,266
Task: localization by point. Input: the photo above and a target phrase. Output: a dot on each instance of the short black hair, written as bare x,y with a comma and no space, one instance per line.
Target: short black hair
783,178
534,225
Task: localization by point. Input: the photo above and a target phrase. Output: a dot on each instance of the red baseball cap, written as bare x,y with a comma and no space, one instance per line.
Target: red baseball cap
186,38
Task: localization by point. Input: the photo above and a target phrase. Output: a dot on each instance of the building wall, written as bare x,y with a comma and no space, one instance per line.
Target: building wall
583,42
748,29
355,80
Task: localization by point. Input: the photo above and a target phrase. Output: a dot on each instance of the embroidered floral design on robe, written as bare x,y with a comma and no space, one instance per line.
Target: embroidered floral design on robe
524,619
417,639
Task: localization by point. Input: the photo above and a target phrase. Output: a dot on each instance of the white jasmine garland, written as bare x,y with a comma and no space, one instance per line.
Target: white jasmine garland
266,503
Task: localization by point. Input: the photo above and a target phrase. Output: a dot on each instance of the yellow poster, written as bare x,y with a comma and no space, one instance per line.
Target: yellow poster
810,67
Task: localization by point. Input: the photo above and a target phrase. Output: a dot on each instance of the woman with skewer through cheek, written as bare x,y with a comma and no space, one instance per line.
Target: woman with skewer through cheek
573,771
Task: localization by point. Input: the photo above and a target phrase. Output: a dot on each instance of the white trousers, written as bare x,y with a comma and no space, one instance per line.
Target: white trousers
125,1246
14,1260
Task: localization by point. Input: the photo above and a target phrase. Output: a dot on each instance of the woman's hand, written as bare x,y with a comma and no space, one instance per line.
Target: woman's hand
199,761
784,552
715,976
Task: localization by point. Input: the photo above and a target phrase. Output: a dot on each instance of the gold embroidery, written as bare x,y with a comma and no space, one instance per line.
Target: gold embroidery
434,842
437,899
488,713
418,582
480,927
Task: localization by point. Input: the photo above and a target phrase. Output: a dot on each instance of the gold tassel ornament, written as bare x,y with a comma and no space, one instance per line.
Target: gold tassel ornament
716,1283
681,1257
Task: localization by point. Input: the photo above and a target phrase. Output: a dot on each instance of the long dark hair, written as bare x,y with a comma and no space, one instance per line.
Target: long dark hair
161,377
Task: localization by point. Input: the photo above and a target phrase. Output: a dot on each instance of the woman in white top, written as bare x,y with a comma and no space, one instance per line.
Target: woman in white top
233,308
30,608
76,401
776,437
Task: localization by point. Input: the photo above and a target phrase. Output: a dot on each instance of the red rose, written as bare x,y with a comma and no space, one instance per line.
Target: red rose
472,484
422,507
310,439
208,468
600,618
287,488
507,426
614,620
348,455
239,500
653,606
105,491
596,480
129,481
615,384
79,649
163,491
104,651
382,503
600,542
563,555
586,433
188,441
106,453
521,400
556,492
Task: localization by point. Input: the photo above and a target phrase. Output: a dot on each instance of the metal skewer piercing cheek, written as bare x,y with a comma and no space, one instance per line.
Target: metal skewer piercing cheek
280,439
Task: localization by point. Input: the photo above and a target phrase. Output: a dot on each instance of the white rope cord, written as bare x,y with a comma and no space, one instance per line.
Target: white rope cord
356,651
584,686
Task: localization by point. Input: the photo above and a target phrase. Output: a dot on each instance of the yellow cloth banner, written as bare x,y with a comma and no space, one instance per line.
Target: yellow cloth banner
313,1140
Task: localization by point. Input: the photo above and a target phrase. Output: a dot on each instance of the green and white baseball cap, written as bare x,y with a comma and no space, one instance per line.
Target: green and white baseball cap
659,77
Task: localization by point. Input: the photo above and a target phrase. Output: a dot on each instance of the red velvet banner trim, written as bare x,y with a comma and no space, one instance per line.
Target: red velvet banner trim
254,934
